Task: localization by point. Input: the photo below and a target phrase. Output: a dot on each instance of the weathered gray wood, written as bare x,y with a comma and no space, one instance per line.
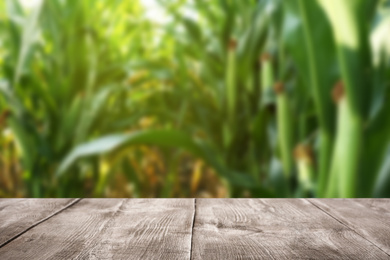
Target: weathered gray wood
273,229
110,229
368,217
223,229
18,215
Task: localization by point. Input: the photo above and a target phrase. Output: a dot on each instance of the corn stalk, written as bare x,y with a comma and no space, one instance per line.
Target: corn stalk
284,128
351,35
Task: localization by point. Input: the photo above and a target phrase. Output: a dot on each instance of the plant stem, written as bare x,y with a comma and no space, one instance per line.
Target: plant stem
231,80
343,176
351,34
304,158
284,129
267,80
325,155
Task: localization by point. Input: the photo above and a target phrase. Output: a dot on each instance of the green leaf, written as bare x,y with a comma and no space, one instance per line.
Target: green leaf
29,37
166,138
382,185
170,138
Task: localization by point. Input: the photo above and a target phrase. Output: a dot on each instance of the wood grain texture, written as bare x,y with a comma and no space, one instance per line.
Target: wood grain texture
18,215
110,229
370,218
273,229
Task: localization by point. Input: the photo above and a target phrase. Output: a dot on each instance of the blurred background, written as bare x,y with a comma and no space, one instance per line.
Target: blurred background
185,98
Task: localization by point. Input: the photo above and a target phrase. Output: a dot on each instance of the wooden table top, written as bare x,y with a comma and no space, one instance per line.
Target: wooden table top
194,229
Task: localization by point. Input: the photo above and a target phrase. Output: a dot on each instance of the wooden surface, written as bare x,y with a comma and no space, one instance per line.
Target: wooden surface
18,215
370,218
194,229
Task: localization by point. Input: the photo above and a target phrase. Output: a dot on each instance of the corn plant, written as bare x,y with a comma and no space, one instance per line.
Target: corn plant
277,98
61,74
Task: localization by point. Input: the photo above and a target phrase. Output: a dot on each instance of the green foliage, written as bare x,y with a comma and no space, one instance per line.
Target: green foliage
94,90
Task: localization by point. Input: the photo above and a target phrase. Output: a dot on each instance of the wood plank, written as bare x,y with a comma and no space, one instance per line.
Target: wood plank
273,229
18,215
110,229
368,217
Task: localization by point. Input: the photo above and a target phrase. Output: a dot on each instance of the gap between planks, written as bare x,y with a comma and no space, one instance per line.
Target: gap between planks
192,229
70,204
346,225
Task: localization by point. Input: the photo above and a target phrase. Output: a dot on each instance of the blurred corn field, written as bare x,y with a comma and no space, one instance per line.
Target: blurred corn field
175,98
